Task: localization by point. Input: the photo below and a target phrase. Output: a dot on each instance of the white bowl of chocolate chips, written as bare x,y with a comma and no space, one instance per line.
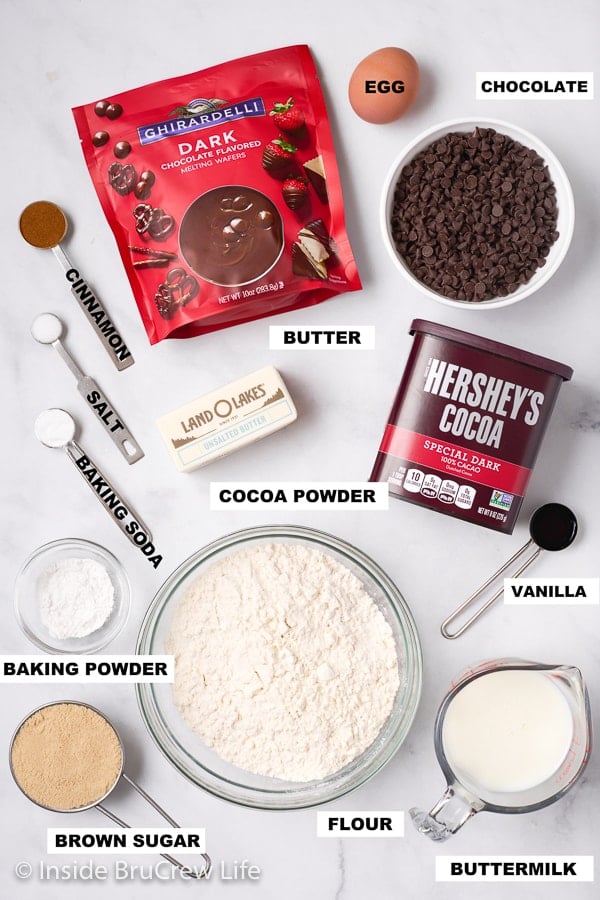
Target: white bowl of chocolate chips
477,213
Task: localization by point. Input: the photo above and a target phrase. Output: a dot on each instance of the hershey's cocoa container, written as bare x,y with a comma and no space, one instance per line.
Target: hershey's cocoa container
467,424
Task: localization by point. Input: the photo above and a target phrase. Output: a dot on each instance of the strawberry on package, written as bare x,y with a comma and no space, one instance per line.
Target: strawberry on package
223,193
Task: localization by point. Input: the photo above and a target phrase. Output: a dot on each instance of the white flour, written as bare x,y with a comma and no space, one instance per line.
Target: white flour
75,597
283,663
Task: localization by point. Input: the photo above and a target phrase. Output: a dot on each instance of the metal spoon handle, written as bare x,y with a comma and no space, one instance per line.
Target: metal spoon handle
67,359
101,406
109,418
118,508
97,316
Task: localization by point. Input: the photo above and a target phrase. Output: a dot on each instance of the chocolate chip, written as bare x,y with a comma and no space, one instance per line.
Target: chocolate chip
265,219
241,203
113,110
239,225
122,149
100,138
142,190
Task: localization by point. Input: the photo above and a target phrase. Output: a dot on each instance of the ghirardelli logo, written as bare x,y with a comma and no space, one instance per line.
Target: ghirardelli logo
196,107
198,114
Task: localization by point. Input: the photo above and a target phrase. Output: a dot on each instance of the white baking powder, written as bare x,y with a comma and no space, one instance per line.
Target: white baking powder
284,665
75,597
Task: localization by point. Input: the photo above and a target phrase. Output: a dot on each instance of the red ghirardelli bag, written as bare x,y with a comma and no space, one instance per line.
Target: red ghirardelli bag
223,193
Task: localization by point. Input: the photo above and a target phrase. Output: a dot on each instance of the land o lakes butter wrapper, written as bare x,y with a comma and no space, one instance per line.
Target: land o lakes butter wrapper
223,421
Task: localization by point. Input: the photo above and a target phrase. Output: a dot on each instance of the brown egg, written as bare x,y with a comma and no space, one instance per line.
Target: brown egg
384,85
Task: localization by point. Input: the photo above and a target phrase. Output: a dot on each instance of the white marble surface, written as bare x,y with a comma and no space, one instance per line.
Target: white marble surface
61,54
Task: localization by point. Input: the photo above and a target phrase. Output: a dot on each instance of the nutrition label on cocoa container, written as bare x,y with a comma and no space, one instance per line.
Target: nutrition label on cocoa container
416,481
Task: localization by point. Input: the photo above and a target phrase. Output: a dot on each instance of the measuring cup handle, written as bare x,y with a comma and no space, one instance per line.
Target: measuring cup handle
448,623
174,862
116,506
448,815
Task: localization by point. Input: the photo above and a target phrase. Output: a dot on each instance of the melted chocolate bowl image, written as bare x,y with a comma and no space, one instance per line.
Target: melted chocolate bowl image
231,235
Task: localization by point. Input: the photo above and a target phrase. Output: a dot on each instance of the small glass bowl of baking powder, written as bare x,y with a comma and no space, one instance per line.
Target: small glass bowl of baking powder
72,596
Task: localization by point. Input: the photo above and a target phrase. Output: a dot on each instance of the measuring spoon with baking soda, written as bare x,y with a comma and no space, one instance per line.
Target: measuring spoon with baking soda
48,329
56,428
44,225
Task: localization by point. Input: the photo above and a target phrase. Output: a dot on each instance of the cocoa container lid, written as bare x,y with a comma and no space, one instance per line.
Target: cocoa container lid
422,326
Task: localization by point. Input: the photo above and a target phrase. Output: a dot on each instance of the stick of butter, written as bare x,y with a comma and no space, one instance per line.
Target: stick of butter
221,422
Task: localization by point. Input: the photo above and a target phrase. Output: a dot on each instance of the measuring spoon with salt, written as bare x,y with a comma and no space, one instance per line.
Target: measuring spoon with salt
44,225
56,428
48,329
551,527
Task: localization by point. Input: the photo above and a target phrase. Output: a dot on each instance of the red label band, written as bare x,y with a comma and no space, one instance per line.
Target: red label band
451,459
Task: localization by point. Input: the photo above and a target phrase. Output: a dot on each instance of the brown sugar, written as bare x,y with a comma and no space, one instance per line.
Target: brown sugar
66,756
43,224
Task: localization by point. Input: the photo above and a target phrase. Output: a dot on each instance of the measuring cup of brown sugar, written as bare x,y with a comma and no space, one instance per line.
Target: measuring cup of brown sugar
67,757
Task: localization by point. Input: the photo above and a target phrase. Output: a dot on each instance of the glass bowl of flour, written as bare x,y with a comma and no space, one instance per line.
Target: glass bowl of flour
297,668
72,596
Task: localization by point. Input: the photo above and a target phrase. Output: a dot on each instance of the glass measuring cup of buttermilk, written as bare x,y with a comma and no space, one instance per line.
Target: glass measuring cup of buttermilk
511,736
